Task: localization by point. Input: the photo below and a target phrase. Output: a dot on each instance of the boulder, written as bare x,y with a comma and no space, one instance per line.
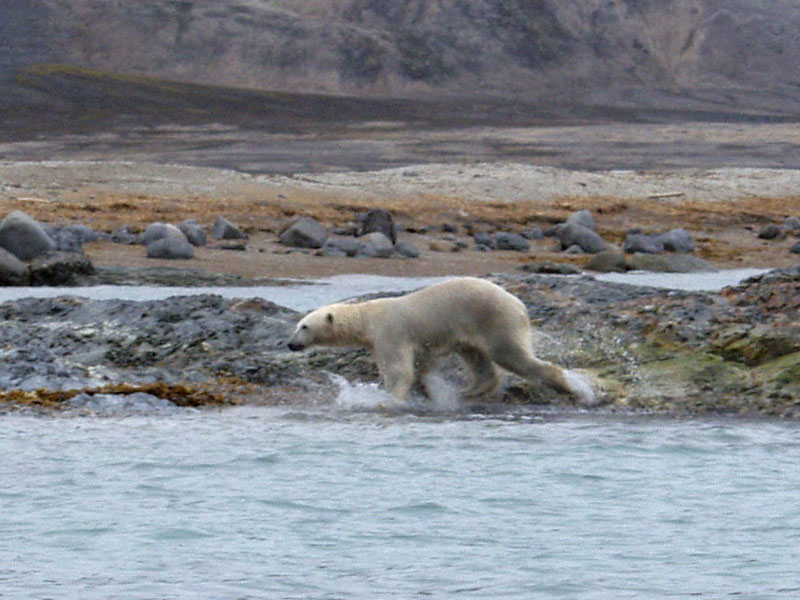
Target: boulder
444,246
583,218
12,270
347,246
124,235
379,220
157,231
637,242
59,268
795,249
193,232
677,240
482,238
24,236
771,232
71,238
533,233
305,232
170,247
406,249
223,229
511,241
792,224
549,268
570,234
375,244
608,261
668,263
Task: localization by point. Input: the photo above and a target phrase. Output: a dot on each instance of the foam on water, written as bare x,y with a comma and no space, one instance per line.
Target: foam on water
443,397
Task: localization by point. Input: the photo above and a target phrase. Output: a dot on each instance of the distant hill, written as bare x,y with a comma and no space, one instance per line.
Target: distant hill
701,54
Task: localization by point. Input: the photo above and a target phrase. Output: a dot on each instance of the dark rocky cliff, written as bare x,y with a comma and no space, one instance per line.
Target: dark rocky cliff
606,52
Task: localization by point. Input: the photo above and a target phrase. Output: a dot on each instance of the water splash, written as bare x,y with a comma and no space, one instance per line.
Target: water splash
443,397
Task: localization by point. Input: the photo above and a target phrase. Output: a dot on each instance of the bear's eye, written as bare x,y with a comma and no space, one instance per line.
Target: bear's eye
303,326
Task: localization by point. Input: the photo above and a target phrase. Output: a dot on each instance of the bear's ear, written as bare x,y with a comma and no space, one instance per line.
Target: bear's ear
329,318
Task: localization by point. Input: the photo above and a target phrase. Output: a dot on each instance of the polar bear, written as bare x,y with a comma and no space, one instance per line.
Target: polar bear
477,320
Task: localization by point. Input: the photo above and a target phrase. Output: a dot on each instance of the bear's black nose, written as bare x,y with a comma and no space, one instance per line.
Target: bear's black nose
294,346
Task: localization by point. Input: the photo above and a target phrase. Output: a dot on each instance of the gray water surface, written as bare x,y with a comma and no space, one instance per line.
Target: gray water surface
335,503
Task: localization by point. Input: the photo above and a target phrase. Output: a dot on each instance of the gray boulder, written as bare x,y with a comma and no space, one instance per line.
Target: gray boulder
124,235
608,261
533,233
482,238
347,246
157,231
170,247
511,241
795,249
379,220
637,242
223,229
406,249
583,218
303,233
71,238
376,245
59,268
24,236
12,270
792,224
193,232
677,240
570,234
668,263
771,232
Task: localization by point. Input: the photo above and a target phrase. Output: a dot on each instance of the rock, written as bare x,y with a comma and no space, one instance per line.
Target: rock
406,249
771,232
305,232
223,229
677,240
444,246
482,238
345,245
550,268
24,236
637,242
570,234
792,224
157,231
668,263
533,233
59,268
71,238
448,228
376,245
193,232
583,218
795,249
124,235
511,241
574,249
331,252
170,247
608,261
379,220
12,270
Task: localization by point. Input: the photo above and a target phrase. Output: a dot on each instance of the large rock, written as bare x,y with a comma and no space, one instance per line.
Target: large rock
511,241
406,249
583,218
304,233
571,234
193,232
158,231
608,261
638,242
668,263
24,236
379,220
376,245
677,240
59,268
170,247
223,229
71,238
12,270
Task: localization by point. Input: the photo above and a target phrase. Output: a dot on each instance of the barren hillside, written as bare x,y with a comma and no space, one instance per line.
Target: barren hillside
605,52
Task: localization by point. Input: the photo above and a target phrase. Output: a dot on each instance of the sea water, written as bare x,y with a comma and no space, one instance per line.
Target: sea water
350,500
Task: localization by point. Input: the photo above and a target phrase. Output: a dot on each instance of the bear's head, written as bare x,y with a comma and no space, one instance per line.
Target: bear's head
315,328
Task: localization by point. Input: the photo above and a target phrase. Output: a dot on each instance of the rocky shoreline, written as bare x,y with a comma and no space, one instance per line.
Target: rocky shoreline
648,350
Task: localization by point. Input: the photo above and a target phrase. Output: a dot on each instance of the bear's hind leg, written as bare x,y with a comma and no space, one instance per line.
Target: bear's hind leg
485,379
521,361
